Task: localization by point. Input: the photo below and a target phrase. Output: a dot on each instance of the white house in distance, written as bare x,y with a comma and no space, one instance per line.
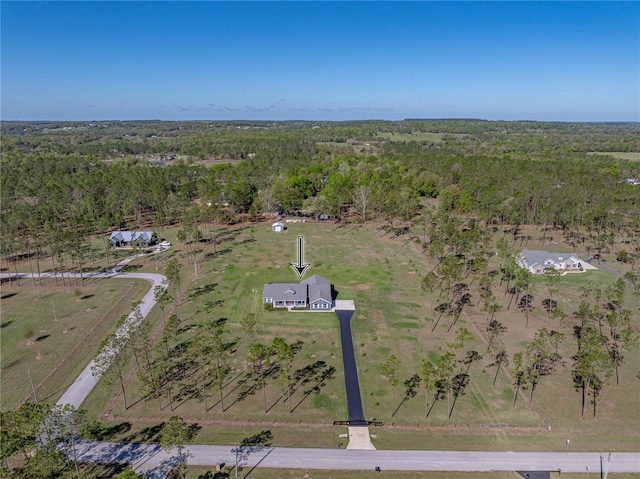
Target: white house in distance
313,293
537,261
124,239
277,226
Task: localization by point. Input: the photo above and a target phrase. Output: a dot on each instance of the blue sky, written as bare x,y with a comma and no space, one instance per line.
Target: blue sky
565,61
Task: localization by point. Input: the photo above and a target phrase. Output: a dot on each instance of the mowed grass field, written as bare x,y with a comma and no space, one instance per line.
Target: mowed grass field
53,333
393,316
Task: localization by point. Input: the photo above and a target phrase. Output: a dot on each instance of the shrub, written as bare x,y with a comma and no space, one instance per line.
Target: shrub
623,256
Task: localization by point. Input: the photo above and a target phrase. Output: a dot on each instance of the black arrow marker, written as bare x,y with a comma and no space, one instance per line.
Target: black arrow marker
301,267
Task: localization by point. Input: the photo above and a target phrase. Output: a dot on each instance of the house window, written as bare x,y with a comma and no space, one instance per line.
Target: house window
268,300
324,305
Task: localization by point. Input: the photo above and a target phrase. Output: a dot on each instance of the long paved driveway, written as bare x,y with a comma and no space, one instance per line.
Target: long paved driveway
152,458
354,400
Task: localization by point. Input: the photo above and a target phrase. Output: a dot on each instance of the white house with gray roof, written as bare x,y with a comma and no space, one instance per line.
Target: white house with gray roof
313,293
124,239
537,261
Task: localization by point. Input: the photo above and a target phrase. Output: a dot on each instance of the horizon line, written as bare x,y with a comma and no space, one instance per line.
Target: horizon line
312,121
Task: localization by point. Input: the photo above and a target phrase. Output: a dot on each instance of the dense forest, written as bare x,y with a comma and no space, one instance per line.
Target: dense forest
66,182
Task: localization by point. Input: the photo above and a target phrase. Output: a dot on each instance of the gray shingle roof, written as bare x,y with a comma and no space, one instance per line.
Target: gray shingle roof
541,257
315,279
126,236
285,291
311,289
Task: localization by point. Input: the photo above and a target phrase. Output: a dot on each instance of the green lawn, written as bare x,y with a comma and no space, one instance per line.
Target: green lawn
65,332
393,316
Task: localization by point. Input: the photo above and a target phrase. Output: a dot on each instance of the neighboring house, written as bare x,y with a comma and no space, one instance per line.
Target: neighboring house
314,293
124,239
295,219
537,261
277,226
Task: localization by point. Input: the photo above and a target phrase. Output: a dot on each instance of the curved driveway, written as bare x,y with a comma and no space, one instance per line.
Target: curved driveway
86,381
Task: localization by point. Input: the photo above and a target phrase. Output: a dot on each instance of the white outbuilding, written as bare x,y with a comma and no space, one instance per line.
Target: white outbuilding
277,226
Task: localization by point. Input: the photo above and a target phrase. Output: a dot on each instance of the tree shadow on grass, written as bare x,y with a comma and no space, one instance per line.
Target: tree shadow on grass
318,374
193,431
411,391
99,431
228,393
8,295
263,438
148,434
43,337
206,288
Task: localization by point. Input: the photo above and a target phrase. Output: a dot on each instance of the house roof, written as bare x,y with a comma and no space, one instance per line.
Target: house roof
315,279
545,258
314,288
127,236
292,291
319,288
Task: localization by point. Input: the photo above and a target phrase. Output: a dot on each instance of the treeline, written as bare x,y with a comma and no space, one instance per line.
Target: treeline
234,139
57,193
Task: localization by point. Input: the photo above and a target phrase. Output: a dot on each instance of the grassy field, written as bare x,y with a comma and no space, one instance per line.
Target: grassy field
622,155
382,275
53,333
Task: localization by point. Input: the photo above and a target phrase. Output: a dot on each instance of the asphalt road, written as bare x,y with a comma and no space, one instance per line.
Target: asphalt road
154,461
354,400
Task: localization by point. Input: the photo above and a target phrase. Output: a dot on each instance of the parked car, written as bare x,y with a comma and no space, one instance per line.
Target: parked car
165,243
